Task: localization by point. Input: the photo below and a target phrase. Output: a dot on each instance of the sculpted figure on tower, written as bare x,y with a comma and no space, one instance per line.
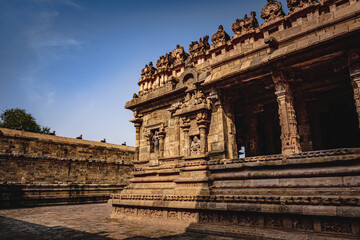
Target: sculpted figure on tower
198,48
220,37
296,4
164,62
178,55
148,71
272,10
243,26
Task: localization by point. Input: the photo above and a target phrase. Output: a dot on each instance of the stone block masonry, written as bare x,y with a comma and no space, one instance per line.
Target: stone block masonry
255,135
44,169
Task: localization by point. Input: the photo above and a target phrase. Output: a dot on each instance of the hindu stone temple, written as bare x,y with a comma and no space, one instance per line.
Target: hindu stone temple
255,135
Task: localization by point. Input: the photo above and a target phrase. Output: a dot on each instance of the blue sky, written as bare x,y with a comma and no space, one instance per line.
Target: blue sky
73,64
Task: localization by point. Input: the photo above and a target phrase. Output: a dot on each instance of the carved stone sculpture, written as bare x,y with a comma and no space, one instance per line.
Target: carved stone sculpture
220,37
148,72
178,55
272,11
195,146
164,63
199,48
155,140
243,26
296,4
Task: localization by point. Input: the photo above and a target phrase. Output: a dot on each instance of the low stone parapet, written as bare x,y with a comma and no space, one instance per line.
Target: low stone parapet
28,195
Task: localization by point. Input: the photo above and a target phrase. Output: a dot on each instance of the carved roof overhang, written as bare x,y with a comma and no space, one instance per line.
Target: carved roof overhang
192,109
155,98
285,56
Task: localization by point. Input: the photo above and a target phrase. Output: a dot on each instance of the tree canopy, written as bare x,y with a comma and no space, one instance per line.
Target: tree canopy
16,118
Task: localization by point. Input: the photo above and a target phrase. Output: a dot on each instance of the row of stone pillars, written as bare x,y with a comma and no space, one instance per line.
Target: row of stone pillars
290,138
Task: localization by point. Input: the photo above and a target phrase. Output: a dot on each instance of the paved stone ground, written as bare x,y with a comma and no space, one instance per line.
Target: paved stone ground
88,221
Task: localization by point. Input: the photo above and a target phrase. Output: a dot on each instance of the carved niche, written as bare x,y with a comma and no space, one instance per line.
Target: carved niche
198,48
297,4
220,37
246,25
272,11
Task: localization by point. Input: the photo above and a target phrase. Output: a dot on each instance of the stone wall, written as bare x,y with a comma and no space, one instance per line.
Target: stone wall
58,167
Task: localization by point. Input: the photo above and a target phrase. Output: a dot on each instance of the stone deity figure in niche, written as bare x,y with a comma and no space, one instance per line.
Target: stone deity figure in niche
195,146
155,140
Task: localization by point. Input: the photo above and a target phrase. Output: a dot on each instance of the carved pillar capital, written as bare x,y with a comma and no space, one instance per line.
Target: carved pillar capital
289,134
137,123
185,123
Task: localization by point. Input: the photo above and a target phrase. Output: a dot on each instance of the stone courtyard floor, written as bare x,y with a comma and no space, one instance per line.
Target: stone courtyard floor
87,221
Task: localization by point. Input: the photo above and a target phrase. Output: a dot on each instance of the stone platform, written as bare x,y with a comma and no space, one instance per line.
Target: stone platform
79,222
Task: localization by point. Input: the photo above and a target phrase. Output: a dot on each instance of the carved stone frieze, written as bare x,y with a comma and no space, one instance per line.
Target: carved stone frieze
249,220
199,48
302,223
220,37
329,225
285,200
294,5
191,99
272,11
246,25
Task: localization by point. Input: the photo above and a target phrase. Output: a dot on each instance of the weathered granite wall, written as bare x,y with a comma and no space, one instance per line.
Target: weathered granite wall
61,170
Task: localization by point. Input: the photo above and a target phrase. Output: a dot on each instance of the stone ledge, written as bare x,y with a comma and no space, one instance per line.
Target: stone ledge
29,156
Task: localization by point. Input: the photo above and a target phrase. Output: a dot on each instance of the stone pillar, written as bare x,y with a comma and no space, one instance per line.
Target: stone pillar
304,126
186,127
137,123
252,138
202,122
226,106
161,143
355,81
290,138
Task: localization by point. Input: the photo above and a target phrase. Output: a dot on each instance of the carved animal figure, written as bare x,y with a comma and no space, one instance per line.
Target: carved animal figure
198,48
242,26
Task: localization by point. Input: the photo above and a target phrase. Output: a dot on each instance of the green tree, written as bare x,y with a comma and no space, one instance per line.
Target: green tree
16,118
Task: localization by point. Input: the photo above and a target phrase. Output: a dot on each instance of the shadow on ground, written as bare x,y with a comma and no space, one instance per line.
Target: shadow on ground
13,229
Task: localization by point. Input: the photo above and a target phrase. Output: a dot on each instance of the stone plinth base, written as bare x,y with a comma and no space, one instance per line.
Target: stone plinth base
247,225
309,195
